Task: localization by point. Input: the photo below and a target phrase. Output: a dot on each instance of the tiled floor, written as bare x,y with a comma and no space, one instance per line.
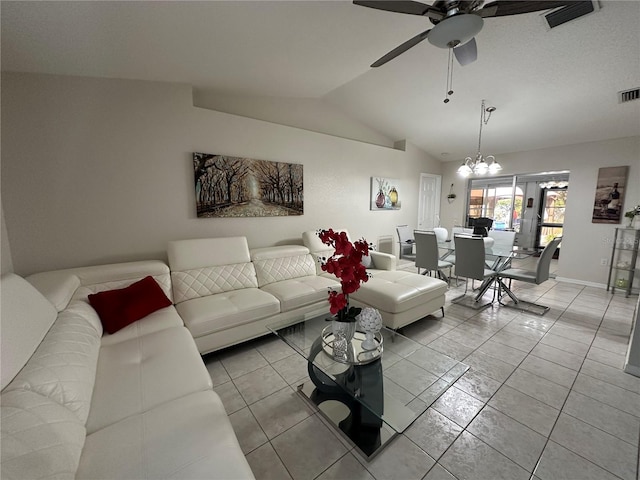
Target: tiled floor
545,398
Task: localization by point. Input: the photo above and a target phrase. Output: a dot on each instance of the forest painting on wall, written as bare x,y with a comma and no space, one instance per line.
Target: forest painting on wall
243,187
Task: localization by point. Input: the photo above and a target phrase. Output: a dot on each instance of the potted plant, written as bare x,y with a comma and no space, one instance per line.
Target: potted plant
631,214
346,264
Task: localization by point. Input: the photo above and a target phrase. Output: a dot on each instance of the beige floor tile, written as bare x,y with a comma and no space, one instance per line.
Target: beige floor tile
309,436
280,411
606,451
433,432
478,385
458,406
511,438
259,384
551,371
471,458
538,387
525,409
266,465
438,472
616,422
346,468
558,463
249,434
401,459
242,360
608,394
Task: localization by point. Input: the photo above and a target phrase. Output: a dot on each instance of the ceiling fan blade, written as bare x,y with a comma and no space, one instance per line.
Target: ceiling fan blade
467,53
401,49
501,8
402,6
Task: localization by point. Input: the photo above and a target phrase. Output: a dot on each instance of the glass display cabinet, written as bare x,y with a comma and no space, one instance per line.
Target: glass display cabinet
624,256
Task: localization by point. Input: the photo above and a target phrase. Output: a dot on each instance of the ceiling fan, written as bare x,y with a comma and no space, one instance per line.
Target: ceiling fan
456,22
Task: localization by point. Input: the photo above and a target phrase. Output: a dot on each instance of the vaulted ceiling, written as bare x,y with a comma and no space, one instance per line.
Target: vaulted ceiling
550,86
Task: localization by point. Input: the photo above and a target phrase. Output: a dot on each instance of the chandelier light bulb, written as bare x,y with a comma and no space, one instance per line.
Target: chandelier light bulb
481,167
464,169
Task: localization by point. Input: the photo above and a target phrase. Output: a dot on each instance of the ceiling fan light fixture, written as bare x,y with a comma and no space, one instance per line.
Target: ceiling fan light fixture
455,30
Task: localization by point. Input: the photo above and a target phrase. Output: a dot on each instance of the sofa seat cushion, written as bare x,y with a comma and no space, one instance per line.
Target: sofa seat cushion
40,438
188,438
398,291
302,291
136,375
206,315
63,367
159,320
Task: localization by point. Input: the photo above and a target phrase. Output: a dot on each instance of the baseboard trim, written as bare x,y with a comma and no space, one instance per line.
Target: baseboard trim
581,282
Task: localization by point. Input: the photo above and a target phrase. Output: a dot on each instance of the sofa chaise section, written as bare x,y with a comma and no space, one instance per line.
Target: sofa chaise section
401,297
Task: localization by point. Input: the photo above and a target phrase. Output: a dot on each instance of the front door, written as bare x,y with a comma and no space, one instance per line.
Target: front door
429,201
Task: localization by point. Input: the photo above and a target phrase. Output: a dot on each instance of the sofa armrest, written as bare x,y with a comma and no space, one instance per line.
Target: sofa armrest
383,261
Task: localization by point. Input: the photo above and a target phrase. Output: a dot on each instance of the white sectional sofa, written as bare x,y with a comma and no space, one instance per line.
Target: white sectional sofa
78,404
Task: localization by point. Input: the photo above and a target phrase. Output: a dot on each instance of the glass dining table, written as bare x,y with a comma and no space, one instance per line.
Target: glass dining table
497,258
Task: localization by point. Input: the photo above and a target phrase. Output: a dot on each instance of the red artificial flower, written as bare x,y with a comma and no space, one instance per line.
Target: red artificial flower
345,264
337,302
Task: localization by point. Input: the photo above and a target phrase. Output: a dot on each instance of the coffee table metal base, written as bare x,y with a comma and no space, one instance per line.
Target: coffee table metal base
368,437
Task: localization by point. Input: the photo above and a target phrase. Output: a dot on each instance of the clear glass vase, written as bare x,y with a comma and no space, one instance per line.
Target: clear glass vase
343,333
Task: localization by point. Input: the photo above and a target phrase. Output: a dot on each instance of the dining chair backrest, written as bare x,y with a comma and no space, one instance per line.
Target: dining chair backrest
502,239
405,234
470,257
441,233
426,250
481,225
544,262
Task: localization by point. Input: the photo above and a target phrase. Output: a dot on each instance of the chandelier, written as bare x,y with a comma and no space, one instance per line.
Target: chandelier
554,184
481,165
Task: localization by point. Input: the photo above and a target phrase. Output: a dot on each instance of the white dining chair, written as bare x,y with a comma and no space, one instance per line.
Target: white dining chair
537,276
406,241
470,264
427,255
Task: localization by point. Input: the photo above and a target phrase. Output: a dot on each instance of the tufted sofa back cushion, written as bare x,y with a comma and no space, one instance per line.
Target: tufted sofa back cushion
275,264
63,367
62,286
26,319
206,266
40,438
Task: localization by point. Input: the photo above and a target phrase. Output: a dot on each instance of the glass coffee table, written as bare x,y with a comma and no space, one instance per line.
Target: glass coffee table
377,393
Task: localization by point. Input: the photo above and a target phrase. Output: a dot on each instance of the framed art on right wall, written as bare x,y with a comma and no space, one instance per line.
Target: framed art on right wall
609,197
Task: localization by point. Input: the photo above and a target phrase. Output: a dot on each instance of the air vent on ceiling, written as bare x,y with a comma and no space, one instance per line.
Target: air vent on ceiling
628,95
570,12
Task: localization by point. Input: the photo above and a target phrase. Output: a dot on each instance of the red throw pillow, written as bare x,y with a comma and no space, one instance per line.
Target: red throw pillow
121,307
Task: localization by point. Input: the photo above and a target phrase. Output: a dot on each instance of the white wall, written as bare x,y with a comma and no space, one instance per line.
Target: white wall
584,243
99,171
309,113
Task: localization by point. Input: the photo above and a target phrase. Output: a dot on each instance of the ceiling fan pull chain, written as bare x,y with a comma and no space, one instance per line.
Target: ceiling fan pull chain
449,76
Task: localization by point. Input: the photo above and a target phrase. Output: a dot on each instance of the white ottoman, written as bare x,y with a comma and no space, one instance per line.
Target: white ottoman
401,297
